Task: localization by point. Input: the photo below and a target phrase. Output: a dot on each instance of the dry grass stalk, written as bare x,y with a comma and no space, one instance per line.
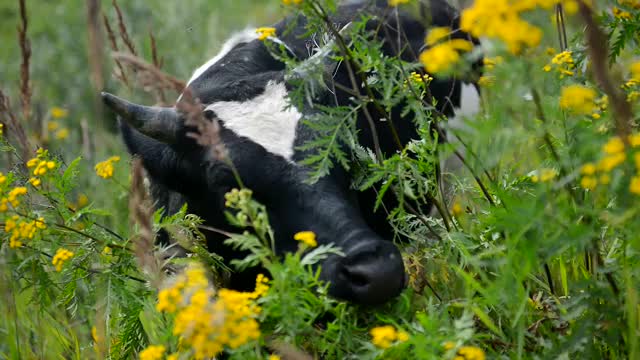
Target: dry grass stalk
150,76
95,44
124,35
13,127
207,132
157,62
289,352
114,47
141,213
598,50
25,52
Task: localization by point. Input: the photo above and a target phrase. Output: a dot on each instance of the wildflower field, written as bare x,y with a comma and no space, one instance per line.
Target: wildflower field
532,251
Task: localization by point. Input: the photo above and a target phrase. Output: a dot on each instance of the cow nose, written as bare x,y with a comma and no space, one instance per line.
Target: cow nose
371,273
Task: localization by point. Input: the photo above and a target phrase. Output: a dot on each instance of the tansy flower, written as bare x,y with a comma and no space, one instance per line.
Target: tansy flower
457,209
104,169
578,99
613,146
294,2
274,357
61,256
3,178
152,352
397,2
635,70
589,182
634,185
384,336
35,181
621,14
58,112
470,353
306,237
1,129
62,134
265,32
588,169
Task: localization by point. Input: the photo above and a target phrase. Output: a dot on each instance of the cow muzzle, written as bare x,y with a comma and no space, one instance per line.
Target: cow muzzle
371,273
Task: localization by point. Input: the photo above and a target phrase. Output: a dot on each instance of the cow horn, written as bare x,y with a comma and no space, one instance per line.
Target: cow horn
156,122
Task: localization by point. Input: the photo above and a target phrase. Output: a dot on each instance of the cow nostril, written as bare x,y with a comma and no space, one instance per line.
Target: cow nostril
355,278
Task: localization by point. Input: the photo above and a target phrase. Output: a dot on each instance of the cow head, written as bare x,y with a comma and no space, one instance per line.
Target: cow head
371,270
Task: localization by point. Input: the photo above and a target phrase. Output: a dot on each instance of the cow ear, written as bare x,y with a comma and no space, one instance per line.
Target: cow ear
162,124
320,66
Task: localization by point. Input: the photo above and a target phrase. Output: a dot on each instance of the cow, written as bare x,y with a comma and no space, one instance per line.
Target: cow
245,89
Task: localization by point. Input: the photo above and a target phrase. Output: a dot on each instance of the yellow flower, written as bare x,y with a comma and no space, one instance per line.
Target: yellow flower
471,353
439,58
397,2
588,169
610,162
605,179
35,182
82,201
104,169
621,14
634,186
486,81
436,34
578,99
294,2
59,113
613,146
32,162
62,134
274,357
153,352
52,125
457,209
61,256
635,70
490,63
1,129
384,336
589,182
265,32
306,237
449,345
3,178
172,357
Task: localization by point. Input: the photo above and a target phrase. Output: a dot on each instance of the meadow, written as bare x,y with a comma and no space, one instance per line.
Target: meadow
531,254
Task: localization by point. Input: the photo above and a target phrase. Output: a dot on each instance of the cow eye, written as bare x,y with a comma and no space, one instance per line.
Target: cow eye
209,114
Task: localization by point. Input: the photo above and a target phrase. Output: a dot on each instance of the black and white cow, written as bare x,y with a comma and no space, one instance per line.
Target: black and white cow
245,88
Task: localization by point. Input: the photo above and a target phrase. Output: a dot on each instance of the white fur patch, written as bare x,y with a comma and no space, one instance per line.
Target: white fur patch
267,119
469,106
241,37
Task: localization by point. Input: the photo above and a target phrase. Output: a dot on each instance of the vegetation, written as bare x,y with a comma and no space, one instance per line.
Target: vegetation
533,252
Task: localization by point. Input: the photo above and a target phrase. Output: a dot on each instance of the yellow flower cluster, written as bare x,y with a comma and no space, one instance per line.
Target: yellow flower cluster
578,99
544,175
61,256
417,78
59,113
384,336
152,352
59,133
12,197
306,237
397,2
634,4
1,129
621,14
265,32
22,229
104,169
443,52
465,352
489,64
614,155
206,322
501,19
633,84
292,2
563,64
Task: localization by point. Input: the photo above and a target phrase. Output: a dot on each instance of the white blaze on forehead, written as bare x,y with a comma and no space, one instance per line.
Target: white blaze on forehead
267,119
241,37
